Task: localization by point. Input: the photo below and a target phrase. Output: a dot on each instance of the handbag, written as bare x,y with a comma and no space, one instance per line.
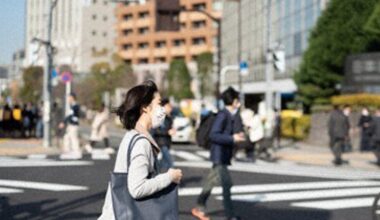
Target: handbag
162,205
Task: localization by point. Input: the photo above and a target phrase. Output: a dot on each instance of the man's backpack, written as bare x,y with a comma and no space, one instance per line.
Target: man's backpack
203,131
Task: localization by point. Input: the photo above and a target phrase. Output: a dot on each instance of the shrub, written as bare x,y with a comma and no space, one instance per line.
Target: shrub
357,100
295,127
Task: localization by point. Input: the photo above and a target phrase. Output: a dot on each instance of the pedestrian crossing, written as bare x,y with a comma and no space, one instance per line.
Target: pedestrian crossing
325,195
18,186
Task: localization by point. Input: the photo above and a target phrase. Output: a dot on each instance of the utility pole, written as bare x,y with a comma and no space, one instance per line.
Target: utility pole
47,77
268,56
239,51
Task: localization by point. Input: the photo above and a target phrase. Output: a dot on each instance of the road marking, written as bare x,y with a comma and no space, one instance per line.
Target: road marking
99,155
205,154
8,191
291,170
316,194
41,163
336,203
42,186
281,187
186,155
37,156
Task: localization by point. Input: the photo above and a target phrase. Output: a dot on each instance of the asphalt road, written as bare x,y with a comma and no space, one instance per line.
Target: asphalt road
37,188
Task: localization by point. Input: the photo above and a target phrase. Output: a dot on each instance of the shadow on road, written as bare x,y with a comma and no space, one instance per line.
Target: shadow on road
36,210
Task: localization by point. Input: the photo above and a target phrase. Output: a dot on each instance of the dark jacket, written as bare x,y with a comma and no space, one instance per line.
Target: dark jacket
221,137
338,125
375,129
73,117
161,134
365,119
238,123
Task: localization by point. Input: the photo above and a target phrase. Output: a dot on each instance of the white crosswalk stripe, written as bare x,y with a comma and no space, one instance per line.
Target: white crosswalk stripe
336,203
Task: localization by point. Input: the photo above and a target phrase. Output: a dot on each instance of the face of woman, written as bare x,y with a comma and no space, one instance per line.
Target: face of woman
155,111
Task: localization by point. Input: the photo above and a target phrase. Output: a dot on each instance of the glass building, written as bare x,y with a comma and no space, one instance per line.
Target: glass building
291,23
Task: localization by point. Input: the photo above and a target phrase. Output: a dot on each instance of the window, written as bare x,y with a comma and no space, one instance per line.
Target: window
199,41
179,57
144,14
309,20
160,60
93,1
143,61
297,44
128,17
160,44
183,26
199,6
198,24
297,22
127,32
104,34
179,42
143,30
127,46
128,61
143,45
105,18
93,17
105,2
93,33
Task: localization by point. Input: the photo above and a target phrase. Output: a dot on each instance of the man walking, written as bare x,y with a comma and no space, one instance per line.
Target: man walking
71,148
163,135
338,130
375,130
222,141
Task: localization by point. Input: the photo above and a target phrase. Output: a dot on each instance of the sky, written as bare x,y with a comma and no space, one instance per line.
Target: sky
12,28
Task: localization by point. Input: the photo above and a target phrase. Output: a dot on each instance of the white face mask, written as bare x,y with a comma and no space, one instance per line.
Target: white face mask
158,117
365,113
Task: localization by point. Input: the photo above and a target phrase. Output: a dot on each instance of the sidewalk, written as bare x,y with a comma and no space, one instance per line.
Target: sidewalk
22,147
303,153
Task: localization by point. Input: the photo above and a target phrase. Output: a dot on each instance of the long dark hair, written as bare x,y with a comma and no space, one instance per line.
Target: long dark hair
137,98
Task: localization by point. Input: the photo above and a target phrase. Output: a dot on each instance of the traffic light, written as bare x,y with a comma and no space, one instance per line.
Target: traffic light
279,60
167,15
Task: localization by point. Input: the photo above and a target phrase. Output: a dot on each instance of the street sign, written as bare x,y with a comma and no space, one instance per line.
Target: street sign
66,77
243,68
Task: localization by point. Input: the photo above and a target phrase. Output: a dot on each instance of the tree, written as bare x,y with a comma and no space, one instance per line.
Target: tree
338,33
179,80
205,66
373,23
104,79
32,88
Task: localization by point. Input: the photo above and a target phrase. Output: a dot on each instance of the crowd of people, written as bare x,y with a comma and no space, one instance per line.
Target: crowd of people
21,120
340,130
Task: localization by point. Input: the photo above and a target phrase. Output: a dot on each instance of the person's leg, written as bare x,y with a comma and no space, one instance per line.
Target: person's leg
250,152
226,183
106,142
66,142
167,161
337,148
377,152
211,181
75,138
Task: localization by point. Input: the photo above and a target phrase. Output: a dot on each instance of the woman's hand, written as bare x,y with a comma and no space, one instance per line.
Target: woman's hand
175,175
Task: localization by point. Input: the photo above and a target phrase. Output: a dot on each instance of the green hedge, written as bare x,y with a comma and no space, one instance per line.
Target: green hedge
302,127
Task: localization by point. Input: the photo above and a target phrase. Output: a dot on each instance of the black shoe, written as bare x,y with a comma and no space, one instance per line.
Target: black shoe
234,218
337,162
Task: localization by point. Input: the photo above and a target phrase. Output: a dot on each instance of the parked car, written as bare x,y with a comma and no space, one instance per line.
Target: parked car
183,126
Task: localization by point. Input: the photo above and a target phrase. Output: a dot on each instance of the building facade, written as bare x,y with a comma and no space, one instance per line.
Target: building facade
82,32
149,51
290,26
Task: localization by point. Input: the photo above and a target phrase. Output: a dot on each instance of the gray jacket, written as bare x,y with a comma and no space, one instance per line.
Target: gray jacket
338,125
142,162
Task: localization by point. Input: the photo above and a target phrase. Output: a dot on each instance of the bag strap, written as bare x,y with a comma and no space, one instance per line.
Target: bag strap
132,143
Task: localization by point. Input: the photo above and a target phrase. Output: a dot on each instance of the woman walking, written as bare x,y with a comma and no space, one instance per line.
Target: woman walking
140,112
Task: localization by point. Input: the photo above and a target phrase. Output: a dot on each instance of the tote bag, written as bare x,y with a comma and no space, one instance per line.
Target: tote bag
162,205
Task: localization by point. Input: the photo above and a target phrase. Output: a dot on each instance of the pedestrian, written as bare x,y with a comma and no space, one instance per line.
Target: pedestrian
99,130
277,129
58,117
140,112
7,120
222,139
71,149
255,130
17,120
364,124
338,131
375,130
163,135
39,122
